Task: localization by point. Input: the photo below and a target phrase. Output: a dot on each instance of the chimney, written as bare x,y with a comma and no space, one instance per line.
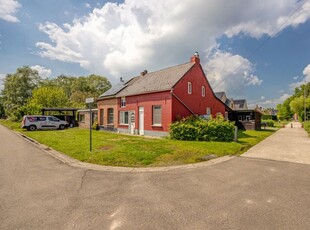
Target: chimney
143,73
121,79
195,58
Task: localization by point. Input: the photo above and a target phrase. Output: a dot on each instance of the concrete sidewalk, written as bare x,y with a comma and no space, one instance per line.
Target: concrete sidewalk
287,144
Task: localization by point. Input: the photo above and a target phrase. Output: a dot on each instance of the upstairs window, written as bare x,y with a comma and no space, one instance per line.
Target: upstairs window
189,88
123,101
203,91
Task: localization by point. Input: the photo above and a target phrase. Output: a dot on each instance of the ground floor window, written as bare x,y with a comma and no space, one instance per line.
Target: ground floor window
82,117
123,117
157,115
101,116
110,116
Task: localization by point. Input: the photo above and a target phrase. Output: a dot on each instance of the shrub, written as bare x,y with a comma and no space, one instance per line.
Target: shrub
270,123
195,128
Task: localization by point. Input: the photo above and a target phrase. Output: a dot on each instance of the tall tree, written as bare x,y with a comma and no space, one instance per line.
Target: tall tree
18,89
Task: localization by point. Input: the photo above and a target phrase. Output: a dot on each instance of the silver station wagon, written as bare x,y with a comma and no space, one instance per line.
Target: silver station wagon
34,122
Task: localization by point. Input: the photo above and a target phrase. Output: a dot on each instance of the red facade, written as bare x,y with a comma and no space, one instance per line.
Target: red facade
152,113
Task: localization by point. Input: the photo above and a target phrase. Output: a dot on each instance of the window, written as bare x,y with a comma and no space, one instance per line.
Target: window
189,87
123,101
208,111
101,117
110,116
53,119
157,115
203,91
123,117
82,117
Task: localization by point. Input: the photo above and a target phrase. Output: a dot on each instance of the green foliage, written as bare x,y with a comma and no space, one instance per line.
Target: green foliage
18,89
269,117
269,123
295,103
284,110
20,97
195,128
307,126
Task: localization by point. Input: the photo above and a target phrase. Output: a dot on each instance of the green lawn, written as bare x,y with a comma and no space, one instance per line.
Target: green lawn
307,126
126,150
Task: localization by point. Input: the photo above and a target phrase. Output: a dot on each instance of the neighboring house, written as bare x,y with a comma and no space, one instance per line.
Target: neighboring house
240,104
84,117
149,103
244,118
228,101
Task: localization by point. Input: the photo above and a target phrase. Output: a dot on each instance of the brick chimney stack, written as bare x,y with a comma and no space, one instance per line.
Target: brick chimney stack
195,58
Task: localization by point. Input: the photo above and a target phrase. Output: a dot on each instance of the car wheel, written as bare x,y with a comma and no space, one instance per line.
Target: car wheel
32,128
61,127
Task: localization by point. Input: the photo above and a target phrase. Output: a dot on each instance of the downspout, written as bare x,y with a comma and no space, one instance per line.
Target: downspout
182,102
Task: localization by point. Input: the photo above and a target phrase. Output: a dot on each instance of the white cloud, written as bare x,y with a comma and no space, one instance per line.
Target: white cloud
43,72
87,5
8,9
269,103
230,73
305,78
123,39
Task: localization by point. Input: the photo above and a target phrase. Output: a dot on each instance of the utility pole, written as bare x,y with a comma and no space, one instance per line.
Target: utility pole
305,109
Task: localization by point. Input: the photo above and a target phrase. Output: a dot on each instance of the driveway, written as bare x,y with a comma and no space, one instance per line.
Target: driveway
38,191
291,144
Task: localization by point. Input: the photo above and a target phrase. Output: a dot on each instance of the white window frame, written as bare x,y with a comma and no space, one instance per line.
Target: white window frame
189,88
157,116
122,117
208,111
123,101
203,91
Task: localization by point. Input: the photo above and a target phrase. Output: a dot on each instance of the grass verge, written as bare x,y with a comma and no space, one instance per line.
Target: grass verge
307,126
135,151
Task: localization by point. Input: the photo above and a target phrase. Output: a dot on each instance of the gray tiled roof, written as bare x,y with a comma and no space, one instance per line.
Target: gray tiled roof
219,95
157,81
240,104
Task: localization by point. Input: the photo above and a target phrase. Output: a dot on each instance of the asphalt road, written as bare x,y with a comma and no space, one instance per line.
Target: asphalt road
38,191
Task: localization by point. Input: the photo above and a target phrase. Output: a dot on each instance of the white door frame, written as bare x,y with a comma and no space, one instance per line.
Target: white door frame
141,120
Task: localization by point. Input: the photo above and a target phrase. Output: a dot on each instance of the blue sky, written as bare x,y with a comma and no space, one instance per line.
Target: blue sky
250,49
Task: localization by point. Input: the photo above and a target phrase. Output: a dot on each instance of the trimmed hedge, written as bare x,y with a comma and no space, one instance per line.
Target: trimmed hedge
198,129
269,117
270,123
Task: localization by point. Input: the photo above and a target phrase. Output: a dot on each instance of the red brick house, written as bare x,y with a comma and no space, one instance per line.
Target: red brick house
149,103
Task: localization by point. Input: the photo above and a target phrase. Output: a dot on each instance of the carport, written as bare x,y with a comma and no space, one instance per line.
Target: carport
66,114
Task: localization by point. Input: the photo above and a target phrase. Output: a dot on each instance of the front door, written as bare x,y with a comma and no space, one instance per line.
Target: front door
141,120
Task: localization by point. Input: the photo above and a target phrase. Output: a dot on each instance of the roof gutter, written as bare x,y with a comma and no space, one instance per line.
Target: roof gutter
176,97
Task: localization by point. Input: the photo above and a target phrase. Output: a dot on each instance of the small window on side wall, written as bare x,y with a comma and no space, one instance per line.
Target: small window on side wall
189,88
203,91
123,102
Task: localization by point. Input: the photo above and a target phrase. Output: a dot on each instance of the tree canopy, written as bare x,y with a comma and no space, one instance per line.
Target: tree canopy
296,103
25,92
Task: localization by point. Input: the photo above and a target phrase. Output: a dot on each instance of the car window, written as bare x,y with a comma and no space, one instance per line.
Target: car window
41,118
53,119
32,119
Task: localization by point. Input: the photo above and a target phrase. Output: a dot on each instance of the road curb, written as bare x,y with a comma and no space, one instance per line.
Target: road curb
79,164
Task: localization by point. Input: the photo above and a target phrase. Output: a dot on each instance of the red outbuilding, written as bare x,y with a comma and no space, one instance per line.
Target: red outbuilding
149,103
